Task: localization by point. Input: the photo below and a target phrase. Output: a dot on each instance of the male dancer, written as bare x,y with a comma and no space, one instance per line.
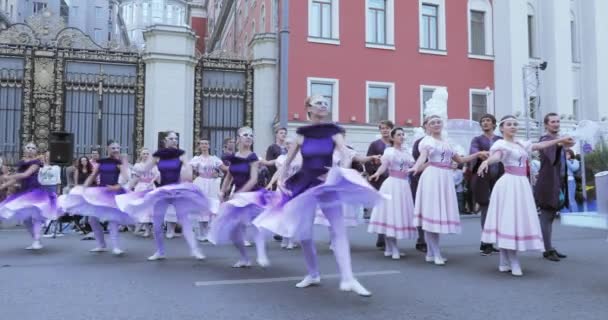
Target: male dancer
482,186
377,148
550,180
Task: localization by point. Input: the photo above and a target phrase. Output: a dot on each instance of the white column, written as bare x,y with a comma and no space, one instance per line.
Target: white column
170,64
265,90
511,54
594,59
557,79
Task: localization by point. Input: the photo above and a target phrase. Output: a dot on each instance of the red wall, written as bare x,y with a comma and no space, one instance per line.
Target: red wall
354,64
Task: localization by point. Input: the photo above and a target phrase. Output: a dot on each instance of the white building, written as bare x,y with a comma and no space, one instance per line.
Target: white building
93,17
138,15
572,37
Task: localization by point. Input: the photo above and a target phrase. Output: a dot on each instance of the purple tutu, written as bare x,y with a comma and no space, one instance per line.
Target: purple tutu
97,202
294,217
36,204
241,210
187,199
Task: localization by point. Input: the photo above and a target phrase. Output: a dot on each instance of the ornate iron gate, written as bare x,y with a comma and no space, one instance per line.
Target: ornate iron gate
100,104
55,87
223,99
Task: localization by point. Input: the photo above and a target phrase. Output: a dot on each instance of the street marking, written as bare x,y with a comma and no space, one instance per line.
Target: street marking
286,279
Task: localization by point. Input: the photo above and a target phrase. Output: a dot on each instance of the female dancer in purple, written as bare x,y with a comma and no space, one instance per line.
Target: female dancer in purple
512,221
99,202
294,167
186,198
436,206
31,204
207,169
394,217
316,185
143,180
247,202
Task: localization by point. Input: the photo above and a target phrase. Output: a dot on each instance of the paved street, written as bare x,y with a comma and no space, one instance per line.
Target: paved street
64,281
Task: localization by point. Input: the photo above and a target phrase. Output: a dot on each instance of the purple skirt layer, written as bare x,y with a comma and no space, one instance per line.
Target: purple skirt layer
36,204
294,218
97,202
187,199
239,211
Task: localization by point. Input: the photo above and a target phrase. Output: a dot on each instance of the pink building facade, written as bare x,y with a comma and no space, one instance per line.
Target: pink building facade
376,59
375,70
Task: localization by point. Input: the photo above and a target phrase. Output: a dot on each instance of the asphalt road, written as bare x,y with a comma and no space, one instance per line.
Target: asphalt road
65,281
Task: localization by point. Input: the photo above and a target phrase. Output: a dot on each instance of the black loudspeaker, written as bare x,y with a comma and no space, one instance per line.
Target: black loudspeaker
61,147
161,139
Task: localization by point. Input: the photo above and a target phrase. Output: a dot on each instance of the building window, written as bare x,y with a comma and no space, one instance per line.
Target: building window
574,39
376,21
380,102
74,12
478,104
262,27
327,88
323,23
99,13
575,109
532,33
432,31
480,28
478,37
39,7
98,35
145,13
429,26
380,24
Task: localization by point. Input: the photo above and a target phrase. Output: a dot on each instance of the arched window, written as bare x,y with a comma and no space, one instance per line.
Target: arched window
532,32
253,30
574,38
262,19
480,27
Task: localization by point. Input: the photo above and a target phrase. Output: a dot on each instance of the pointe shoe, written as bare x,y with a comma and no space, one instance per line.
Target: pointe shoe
202,238
242,264
197,254
157,256
98,249
263,262
396,256
117,252
146,234
355,286
290,246
439,261
504,268
516,271
36,245
429,259
387,253
247,243
309,281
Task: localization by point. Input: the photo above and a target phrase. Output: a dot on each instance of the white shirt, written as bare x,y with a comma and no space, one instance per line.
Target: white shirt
49,175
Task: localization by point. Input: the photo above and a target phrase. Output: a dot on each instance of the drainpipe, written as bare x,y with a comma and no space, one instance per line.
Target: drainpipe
284,64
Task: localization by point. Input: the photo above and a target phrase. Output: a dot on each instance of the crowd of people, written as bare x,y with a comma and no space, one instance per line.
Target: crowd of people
310,178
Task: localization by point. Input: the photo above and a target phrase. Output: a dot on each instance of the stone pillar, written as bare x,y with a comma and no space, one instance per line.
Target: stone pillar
265,90
594,62
511,54
557,79
170,63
